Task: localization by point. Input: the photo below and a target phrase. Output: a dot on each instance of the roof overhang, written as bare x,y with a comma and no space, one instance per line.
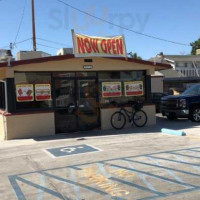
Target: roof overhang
158,66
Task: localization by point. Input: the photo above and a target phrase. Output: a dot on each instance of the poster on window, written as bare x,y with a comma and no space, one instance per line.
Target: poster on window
111,89
134,88
24,92
42,92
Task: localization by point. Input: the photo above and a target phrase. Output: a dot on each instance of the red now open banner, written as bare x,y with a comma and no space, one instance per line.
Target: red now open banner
98,46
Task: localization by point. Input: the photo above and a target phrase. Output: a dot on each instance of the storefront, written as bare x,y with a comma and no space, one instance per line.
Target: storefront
62,94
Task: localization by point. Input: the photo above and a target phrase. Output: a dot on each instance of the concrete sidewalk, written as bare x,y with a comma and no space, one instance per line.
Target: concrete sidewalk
192,129
138,163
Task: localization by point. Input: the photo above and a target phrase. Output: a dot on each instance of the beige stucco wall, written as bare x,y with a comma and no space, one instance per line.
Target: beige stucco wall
3,73
76,64
43,124
107,113
30,125
157,84
6,72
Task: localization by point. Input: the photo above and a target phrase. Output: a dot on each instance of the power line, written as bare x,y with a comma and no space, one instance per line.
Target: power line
22,41
53,42
127,29
47,46
20,24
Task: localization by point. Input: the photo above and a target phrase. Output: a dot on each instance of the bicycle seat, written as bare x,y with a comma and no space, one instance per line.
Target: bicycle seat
132,103
121,104
138,106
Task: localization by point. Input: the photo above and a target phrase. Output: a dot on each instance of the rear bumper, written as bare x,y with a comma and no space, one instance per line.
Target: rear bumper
184,113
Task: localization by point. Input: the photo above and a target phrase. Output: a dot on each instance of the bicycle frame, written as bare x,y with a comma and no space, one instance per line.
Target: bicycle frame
129,114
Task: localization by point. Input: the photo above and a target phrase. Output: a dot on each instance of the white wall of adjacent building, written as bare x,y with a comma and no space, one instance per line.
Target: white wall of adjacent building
156,84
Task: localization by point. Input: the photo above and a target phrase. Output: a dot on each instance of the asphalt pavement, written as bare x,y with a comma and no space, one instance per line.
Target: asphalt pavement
135,163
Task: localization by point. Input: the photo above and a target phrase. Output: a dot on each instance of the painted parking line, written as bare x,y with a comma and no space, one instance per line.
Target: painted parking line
76,188
163,167
109,178
190,156
41,192
155,176
144,180
180,162
194,150
16,188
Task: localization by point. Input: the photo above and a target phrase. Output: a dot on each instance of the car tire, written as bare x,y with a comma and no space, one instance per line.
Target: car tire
195,114
171,117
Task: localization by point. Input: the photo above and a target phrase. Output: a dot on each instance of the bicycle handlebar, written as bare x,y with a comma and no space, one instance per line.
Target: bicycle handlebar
136,105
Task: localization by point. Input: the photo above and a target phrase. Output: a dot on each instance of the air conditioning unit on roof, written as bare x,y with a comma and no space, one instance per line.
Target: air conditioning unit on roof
5,55
65,51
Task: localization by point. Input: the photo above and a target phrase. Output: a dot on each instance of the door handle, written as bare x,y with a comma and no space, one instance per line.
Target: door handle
81,106
72,106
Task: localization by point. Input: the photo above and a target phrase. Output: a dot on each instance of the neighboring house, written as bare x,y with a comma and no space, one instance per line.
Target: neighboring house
183,65
185,71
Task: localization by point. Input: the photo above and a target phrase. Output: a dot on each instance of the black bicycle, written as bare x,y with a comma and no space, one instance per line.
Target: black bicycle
136,116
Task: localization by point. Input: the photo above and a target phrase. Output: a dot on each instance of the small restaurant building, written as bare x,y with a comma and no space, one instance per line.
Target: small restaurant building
68,93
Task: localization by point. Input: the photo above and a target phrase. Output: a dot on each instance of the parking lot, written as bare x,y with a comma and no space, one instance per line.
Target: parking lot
136,163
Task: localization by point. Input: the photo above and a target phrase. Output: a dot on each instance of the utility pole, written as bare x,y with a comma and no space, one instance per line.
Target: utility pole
33,25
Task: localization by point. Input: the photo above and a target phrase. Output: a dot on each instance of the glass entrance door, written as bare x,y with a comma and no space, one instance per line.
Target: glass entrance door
88,111
65,103
76,104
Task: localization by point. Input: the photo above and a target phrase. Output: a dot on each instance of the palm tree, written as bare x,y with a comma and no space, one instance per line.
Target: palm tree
134,55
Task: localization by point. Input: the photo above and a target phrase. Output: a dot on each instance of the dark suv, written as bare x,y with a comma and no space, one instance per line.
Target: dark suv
186,105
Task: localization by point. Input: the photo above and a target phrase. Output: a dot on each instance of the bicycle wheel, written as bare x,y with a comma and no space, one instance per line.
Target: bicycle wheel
118,120
140,118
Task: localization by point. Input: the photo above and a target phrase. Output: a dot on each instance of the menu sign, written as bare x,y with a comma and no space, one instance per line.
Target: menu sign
111,89
134,88
42,92
24,92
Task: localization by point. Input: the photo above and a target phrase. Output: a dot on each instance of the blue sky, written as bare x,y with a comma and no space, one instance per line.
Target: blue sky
176,20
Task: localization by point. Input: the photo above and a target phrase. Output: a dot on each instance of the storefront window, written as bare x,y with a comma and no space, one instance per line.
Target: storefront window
116,87
64,74
86,74
33,90
2,96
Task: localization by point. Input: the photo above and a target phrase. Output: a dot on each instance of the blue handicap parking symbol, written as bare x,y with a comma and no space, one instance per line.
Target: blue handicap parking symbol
71,150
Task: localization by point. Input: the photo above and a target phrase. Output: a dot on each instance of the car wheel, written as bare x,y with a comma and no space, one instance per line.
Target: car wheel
171,116
195,115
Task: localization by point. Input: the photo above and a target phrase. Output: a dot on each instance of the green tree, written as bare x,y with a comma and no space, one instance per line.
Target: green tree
134,55
195,45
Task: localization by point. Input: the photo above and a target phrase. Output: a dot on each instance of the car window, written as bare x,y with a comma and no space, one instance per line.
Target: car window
157,95
194,90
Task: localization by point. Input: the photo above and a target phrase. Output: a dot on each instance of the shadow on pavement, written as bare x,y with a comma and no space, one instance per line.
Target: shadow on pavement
179,124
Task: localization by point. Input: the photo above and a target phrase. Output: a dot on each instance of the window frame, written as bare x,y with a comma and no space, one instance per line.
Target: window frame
144,72
53,107
48,109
